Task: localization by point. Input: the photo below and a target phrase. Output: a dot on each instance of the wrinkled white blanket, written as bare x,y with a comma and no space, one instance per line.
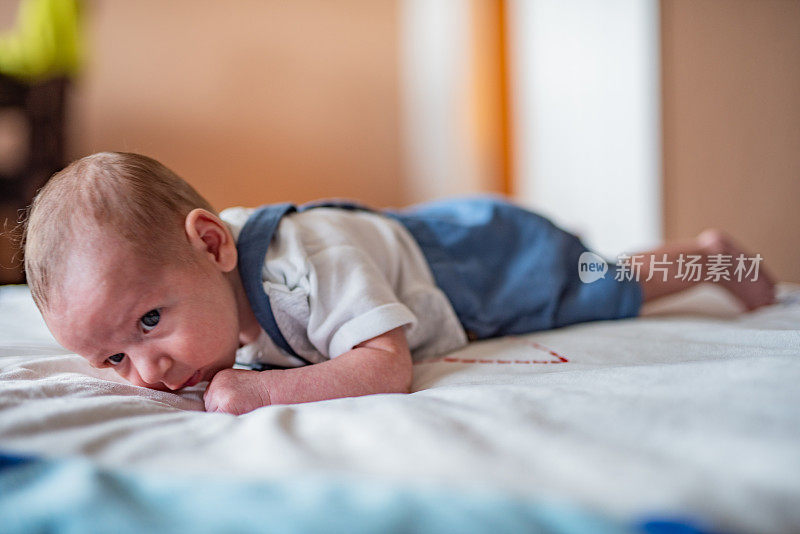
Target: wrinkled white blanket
692,409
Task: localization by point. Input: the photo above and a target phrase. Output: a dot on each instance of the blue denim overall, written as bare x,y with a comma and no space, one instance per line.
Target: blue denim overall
506,270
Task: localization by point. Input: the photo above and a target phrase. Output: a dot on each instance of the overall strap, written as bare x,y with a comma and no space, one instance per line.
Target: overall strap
254,240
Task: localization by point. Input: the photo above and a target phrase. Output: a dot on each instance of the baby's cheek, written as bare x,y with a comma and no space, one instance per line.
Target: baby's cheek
123,370
216,342
129,375
197,349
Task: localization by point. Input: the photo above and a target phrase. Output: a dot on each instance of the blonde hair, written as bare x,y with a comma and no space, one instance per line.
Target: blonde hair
132,196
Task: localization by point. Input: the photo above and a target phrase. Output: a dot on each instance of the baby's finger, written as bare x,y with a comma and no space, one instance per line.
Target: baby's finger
209,405
210,401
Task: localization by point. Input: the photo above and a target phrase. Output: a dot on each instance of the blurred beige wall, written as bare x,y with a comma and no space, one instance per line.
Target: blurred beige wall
731,112
251,101
263,101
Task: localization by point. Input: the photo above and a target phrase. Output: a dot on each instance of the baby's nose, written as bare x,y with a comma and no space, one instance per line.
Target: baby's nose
153,368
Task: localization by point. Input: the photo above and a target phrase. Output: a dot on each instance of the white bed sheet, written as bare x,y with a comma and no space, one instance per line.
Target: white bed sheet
693,409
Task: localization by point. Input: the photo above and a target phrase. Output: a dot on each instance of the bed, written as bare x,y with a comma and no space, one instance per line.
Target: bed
687,417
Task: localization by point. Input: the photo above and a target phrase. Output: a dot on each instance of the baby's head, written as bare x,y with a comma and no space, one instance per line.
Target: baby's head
132,269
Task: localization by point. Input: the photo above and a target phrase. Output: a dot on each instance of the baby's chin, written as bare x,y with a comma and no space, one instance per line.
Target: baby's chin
161,387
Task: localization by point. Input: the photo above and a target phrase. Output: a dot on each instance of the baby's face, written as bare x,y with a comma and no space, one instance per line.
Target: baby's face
164,328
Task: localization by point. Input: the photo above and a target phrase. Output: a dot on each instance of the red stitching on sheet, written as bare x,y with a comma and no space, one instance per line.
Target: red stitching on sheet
535,345
541,347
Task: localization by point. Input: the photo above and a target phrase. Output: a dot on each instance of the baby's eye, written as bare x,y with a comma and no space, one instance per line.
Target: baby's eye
116,358
150,319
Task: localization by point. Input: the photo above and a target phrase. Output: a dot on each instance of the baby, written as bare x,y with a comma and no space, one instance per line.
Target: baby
132,269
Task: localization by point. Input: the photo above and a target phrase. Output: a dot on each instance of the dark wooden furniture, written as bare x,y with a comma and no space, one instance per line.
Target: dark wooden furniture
42,105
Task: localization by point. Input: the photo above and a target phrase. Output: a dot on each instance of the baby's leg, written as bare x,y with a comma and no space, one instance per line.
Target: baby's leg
710,257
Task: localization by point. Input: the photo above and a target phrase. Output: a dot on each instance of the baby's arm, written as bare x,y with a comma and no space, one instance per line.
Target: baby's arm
379,365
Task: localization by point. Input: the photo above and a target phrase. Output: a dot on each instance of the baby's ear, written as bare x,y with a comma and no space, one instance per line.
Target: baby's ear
211,237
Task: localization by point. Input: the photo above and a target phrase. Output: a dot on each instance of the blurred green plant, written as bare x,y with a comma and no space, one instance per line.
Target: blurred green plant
45,41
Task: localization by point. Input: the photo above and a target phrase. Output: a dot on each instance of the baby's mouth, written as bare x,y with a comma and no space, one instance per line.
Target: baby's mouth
194,379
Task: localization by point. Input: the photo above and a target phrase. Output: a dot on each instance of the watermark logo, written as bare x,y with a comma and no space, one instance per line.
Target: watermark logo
591,267
687,267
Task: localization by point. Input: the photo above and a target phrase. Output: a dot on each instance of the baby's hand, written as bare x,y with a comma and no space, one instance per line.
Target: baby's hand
236,391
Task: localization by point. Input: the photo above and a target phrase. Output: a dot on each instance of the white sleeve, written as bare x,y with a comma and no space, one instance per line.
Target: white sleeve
350,300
